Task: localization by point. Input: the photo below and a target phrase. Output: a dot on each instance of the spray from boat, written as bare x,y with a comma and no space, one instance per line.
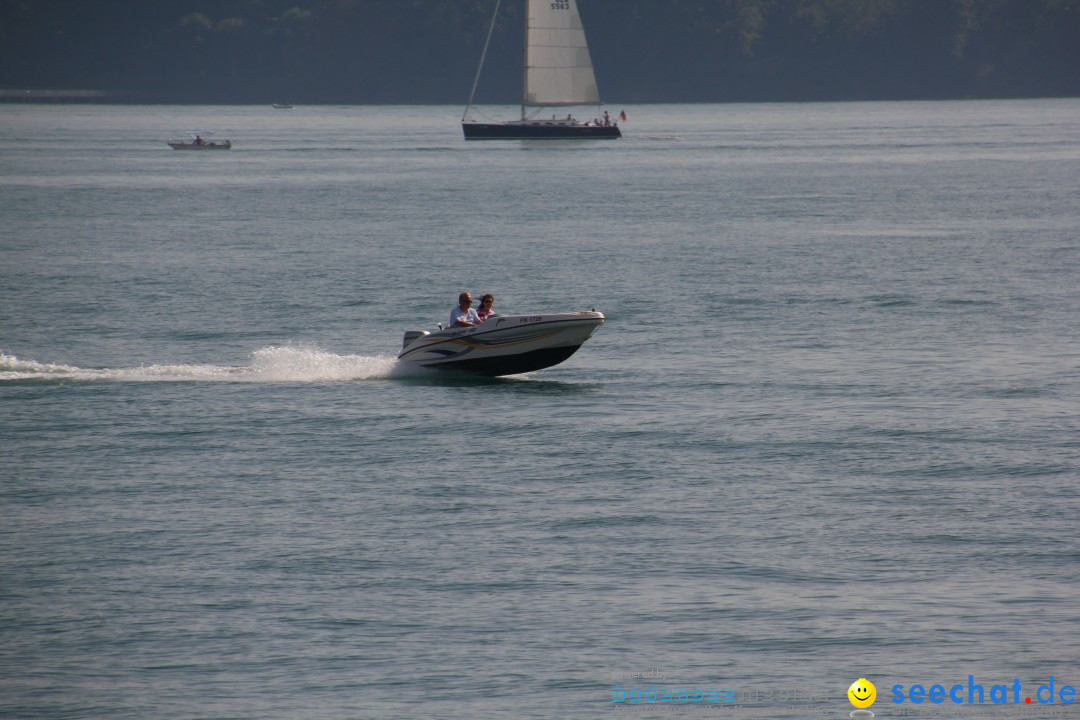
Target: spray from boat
286,364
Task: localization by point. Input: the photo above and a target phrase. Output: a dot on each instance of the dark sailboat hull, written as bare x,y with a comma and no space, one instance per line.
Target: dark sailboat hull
516,130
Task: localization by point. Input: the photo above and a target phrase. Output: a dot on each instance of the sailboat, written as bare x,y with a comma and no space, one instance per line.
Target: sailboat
558,73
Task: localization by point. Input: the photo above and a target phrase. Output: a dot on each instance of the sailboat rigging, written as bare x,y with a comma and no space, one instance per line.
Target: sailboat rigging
558,73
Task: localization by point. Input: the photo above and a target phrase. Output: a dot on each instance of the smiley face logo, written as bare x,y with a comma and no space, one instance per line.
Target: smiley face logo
862,693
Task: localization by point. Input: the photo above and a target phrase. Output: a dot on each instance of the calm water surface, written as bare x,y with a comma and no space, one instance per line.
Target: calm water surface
829,430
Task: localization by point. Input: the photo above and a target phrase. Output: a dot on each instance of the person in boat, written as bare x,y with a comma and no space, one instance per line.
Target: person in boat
463,315
607,119
486,310
198,141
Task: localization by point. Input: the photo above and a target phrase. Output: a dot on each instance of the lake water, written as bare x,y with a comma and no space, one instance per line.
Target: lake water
830,430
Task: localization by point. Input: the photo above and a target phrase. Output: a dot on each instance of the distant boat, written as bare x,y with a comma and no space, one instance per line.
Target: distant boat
197,142
558,73
282,106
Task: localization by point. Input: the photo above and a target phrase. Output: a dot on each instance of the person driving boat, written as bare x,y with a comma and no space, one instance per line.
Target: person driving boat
463,315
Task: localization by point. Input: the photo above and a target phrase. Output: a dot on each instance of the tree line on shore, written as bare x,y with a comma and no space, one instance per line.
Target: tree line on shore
426,51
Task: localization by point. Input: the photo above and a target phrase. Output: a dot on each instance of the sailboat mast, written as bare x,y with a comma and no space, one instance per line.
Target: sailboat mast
525,65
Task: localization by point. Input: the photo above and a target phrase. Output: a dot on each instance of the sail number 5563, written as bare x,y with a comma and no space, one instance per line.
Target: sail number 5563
560,5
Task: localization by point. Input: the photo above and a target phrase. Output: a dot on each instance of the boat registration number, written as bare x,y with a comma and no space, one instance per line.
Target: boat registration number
532,319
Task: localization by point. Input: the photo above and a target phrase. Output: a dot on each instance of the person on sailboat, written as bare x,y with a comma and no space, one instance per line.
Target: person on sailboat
486,307
607,119
463,315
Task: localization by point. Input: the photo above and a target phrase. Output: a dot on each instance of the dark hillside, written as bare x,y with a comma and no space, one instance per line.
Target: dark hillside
425,51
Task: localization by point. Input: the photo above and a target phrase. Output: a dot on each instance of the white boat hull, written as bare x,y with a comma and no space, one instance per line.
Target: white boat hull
504,345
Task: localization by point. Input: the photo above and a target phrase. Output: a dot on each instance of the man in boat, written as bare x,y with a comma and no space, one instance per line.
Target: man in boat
198,141
463,315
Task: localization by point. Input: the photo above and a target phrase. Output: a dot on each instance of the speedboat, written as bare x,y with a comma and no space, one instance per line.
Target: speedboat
503,344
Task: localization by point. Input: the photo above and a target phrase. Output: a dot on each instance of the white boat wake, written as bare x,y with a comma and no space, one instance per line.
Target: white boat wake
295,364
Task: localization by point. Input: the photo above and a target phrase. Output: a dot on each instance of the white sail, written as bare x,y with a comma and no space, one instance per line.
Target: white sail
558,70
